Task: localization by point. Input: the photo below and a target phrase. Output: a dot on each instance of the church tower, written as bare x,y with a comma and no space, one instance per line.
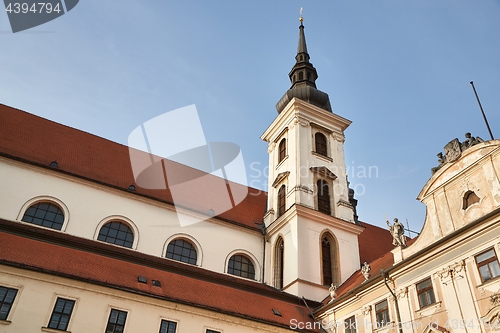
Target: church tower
311,233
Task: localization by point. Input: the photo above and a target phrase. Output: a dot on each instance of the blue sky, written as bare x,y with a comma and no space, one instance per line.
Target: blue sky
399,69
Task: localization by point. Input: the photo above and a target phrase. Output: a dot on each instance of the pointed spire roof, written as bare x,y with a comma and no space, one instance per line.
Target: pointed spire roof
303,78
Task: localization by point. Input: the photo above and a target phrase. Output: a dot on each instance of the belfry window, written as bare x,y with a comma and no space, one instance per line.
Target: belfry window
320,144
279,256
281,200
323,197
282,150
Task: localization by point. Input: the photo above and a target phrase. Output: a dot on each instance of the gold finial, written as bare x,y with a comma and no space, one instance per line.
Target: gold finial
301,19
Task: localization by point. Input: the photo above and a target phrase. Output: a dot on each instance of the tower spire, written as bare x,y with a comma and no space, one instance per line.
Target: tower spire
303,78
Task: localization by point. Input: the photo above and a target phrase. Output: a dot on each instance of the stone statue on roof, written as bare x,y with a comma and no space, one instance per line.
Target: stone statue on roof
333,291
470,141
398,233
365,270
441,161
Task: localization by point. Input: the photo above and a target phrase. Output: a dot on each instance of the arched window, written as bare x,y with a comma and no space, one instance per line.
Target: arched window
117,233
323,197
321,146
470,198
45,214
279,264
182,250
329,260
241,266
282,150
281,201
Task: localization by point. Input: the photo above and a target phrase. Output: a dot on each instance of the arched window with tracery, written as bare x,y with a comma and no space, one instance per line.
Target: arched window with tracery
321,145
329,260
282,150
323,197
281,200
279,264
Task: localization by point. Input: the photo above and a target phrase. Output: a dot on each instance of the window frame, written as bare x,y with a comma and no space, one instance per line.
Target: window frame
320,147
382,311
487,262
108,323
425,291
61,314
11,304
348,325
281,207
323,199
169,321
185,240
209,330
282,150
279,262
60,212
132,230
250,264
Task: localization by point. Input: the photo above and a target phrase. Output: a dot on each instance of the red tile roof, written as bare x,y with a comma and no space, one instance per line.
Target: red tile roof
374,242
39,141
34,248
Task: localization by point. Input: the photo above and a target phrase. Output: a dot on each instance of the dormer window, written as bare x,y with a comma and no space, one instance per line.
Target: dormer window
320,144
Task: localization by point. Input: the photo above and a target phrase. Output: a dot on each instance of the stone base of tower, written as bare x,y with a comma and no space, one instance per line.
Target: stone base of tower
308,290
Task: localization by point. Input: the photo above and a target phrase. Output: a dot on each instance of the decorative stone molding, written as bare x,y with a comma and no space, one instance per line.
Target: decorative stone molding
402,293
302,122
344,203
270,147
452,271
323,171
339,137
367,310
495,299
303,188
280,177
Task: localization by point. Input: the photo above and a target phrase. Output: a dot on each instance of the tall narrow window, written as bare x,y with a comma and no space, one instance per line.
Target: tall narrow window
425,293
241,266
116,321
382,313
323,197
168,326
182,250
61,314
44,214
327,261
282,150
279,257
116,233
487,264
350,325
7,296
321,146
281,200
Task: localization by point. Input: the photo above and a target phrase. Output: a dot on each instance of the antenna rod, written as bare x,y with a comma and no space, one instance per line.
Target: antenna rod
482,111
